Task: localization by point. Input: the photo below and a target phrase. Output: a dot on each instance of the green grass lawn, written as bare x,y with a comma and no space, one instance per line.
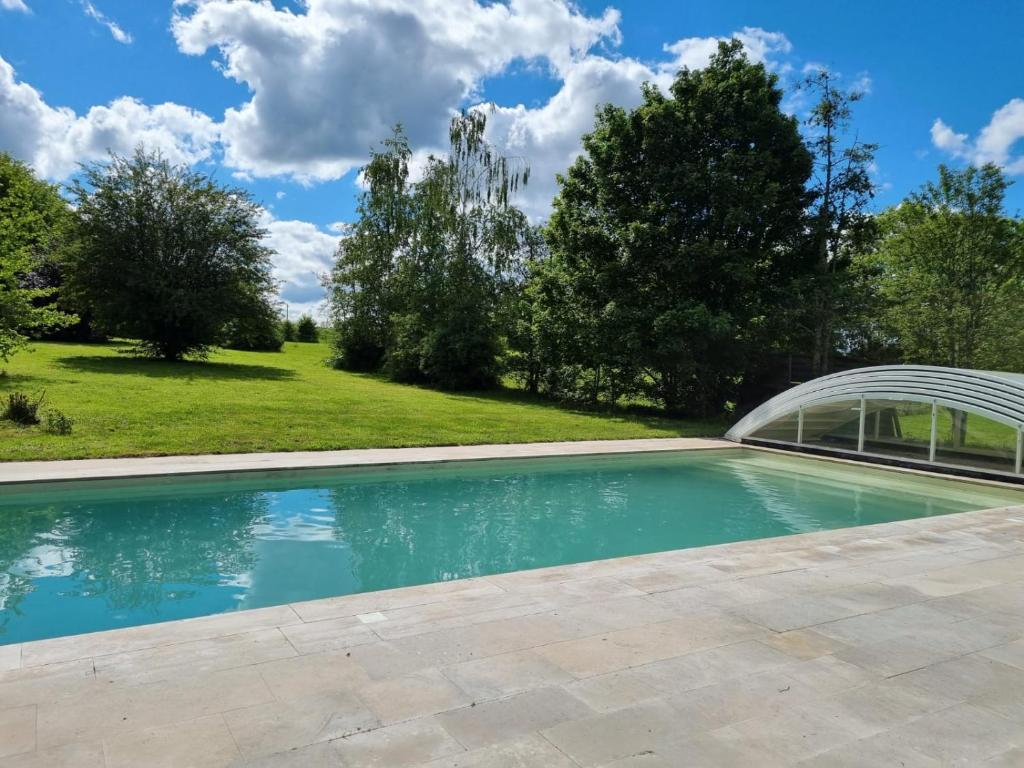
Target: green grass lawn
288,401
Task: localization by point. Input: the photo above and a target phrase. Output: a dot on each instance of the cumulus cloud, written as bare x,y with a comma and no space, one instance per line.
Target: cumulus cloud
696,52
330,82
303,253
112,26
14,5
996,143
55,139
548,136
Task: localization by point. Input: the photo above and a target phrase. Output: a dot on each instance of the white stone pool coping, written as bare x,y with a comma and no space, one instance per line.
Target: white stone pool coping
153,466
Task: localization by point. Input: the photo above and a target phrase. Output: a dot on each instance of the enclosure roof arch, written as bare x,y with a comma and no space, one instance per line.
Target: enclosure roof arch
995,395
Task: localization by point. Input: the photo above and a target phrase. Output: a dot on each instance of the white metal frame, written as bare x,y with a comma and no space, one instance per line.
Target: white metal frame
996,396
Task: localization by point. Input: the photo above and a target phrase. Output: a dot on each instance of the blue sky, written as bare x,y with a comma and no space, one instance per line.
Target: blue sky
285,98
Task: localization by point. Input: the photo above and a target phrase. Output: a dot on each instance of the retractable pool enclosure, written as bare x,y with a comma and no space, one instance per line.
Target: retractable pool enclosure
944,418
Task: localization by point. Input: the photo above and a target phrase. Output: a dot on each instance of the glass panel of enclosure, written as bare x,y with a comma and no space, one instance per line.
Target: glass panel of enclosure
832,425
784,429
967,439
900,428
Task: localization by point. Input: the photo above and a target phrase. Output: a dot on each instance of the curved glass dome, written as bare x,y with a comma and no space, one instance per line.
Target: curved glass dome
939,417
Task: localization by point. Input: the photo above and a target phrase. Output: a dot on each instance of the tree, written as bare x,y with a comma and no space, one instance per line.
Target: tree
257,329
361,286
675,238
306,330
288,331
423,278
839,222
949,269
166,256
35,222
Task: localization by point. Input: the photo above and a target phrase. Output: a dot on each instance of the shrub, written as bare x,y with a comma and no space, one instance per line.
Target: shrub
21,409
306,330
58,423
257,330
288,331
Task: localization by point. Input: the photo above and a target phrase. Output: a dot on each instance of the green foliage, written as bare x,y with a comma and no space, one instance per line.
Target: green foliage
948,273
59,423
166,255
22,409
34,226
839,221
675,239
258,329
306,330
288,331
426,274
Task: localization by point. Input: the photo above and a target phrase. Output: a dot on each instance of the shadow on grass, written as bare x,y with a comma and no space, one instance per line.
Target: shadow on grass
162,369
632,414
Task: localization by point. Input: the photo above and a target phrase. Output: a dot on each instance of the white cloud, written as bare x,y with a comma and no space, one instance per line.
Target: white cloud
112,26
330,82
55,139
696,52
14,5
548,136
995,143
303,253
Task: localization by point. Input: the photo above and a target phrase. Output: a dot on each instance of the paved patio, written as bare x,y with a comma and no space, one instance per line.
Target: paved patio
898,644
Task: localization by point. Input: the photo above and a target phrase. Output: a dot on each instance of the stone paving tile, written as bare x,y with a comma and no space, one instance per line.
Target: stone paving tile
414,695
652,726
304,676
328,635
319,755
201,743
152,635
509,673
802,643
10,657
788,736
82,754
397,746
117,709
209,655
875,752
960,735
504,719
17,730
531,751
279,726
35,685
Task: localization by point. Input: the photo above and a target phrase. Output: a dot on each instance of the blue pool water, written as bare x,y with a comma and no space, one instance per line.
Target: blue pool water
101,555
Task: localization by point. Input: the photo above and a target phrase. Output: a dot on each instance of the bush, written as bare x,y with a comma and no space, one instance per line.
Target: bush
258,331
288,330
58,423
21,409
306,330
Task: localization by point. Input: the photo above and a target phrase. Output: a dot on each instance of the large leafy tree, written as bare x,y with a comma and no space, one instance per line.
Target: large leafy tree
166,255
675,237
421,284
839,223
35,222
948,273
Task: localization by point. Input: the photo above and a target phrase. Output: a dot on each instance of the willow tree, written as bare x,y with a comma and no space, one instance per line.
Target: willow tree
423,276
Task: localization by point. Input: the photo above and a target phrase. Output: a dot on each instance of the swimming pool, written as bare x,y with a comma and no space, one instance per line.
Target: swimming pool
102,554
